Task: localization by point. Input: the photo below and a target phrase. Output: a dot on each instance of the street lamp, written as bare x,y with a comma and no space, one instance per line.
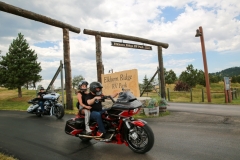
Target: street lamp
199,33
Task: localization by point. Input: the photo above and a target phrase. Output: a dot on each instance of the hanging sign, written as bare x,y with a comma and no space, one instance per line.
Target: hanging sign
128,45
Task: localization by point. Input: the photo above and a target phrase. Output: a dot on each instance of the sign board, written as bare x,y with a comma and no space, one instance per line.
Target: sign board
128,45
115,82
226,83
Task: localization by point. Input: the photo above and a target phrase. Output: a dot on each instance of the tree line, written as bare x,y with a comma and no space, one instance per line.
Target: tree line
190,77
20,68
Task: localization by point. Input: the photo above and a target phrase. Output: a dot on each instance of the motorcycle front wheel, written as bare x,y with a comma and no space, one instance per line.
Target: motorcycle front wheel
140,138
59,111
39,114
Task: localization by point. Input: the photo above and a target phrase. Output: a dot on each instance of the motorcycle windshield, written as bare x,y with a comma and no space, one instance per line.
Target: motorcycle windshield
51,96
126,100
126,97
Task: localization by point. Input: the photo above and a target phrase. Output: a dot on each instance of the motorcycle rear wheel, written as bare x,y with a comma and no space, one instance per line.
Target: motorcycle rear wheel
141,140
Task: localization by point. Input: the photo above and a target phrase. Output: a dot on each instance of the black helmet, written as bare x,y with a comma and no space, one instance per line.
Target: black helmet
81,83
42,88
95,85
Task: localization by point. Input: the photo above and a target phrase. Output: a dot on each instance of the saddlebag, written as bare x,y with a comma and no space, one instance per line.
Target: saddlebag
74,124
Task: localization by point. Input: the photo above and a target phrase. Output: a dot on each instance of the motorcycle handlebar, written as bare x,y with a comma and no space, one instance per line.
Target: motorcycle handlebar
106,97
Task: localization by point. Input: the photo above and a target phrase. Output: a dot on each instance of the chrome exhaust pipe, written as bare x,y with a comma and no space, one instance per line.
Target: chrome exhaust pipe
87,136
96,137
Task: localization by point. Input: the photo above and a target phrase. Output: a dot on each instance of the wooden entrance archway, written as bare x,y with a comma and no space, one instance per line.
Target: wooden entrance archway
99,64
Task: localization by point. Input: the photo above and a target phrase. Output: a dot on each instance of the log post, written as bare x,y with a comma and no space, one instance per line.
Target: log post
67,67
126,37
168,93
99,58
63,102
36,17
162,78
159,81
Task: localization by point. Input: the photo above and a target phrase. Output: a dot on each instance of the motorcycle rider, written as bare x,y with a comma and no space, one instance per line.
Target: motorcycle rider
40,95
83,107
94,100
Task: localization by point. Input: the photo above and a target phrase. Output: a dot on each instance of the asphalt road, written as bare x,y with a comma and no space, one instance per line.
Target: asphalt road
181,135
211,109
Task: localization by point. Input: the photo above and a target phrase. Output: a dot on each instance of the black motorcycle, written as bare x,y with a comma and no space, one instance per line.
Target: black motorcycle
121,127
51,106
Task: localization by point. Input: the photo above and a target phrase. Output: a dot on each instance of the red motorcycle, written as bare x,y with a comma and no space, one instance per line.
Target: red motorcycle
120,126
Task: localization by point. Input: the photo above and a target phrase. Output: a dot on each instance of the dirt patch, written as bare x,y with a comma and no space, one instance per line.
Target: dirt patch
16,99
7,94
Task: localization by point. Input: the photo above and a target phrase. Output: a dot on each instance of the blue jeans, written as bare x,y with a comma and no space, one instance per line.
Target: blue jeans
40,103
97,116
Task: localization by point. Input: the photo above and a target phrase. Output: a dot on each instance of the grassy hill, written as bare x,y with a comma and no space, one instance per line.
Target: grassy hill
229,72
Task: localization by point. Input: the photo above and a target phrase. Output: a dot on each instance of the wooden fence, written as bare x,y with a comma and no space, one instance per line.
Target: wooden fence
235,93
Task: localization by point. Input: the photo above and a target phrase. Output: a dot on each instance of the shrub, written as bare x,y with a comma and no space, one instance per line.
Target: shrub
181,86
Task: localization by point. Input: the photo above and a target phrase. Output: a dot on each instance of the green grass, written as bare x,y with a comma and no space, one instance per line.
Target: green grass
236,101
142,115
216,89
6,157
9,98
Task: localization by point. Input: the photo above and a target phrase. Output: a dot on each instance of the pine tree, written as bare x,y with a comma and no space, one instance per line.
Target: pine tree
19,66
145,82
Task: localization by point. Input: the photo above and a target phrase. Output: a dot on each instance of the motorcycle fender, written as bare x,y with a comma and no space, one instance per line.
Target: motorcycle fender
139,122
32,108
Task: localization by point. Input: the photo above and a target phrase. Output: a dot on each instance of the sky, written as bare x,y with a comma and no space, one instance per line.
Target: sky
174,22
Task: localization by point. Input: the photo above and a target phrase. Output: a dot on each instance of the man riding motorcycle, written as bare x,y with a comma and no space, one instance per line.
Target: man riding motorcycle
40,95
94,100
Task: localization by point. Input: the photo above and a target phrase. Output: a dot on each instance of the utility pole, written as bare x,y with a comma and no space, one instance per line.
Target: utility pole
200,34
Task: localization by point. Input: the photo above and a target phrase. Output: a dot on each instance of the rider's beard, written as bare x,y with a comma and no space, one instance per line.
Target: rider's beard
98,93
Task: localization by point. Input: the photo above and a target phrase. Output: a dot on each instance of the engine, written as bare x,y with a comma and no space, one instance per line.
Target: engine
110,125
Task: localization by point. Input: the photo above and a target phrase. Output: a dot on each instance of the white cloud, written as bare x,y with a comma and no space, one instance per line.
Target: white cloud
219,19
178,63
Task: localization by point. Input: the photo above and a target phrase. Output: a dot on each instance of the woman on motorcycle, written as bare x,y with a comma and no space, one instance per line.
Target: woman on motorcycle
83,107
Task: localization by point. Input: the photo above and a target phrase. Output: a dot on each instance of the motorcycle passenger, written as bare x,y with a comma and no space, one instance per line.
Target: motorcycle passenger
83,107
94,100
40,95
